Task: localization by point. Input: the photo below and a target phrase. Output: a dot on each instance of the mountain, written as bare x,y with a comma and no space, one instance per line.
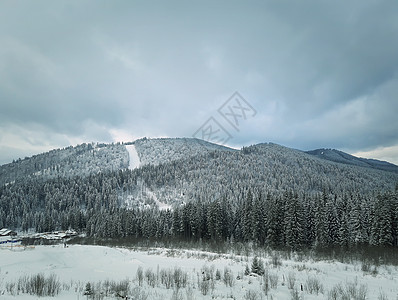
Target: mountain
344,158
87,159
271,166
262,193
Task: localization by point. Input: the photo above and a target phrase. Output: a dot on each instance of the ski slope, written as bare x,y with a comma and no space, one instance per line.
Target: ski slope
134,159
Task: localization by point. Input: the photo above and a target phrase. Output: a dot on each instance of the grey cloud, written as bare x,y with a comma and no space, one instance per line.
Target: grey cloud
83,69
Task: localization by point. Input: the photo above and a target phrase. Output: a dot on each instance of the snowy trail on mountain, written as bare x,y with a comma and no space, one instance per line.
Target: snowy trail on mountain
134,159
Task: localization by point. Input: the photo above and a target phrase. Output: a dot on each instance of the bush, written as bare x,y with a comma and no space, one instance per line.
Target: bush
166,278
120,289
382,296
266,282
140,275
247,270
291,280
349,291
218,274
276,260
295,294
313,285
273,280
366,266
180,278
150,278
228,277
257,266
204,287
251,295
137,293
39,285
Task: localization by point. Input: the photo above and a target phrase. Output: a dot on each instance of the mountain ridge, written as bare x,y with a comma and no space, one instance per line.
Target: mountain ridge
345,158
86,159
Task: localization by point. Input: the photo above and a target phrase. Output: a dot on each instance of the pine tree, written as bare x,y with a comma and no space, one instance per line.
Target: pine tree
247,270
293,222
88,291
255,265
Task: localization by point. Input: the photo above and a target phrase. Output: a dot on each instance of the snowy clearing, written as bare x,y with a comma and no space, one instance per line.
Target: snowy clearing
134,159
208,275
161,205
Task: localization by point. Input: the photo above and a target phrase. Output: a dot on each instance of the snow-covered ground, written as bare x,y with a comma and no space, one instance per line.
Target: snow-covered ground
77,265
161,205
134,159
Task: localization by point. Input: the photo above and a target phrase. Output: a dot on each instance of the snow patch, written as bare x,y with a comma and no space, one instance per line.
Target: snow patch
134,159
161,205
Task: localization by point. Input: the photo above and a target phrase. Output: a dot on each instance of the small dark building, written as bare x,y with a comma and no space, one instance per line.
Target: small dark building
7,232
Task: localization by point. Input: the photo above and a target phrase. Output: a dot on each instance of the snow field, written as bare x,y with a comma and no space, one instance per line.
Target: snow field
134,159
77,265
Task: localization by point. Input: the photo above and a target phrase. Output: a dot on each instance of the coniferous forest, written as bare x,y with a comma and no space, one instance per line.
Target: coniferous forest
268,195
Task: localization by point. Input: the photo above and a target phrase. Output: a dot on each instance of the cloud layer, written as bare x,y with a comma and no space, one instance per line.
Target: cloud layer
318,73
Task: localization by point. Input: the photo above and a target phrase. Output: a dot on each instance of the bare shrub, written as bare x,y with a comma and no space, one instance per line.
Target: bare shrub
138,293
266,282
150,278
53,286
291,280
189,293
382,296
366,266
251,295
39,285
140,275
313,285
120,289
218,274
11,288
204,287
228,277
177,295
273,280
180,278
294,294
362,292
349,291
276,260
166,278
334,293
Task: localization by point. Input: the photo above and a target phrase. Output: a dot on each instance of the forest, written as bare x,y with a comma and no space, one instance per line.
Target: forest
280,220
265,194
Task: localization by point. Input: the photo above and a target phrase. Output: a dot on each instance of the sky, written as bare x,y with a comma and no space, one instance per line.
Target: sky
309,74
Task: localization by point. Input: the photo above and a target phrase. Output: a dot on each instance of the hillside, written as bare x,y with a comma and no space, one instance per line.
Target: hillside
82,160
190,189
165,150
344,158
87,159
180,168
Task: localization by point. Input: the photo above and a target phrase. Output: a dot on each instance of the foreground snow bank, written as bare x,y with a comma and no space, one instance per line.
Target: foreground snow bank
208,275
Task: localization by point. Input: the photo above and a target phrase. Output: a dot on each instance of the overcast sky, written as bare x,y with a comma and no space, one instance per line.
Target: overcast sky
317,74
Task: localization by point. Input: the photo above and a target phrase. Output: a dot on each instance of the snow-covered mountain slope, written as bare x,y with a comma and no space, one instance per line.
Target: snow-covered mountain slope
81,160
190,165
172,173
266,168
344,158
165,150
87,159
